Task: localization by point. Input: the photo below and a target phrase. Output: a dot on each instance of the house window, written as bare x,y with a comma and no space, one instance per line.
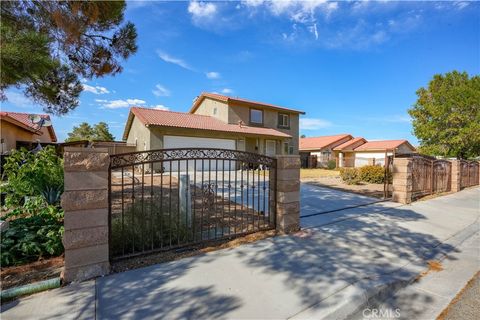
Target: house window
214,111
283,120
256,116
285,147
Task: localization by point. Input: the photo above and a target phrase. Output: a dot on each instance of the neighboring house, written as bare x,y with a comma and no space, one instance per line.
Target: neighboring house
18,130
216,121
351,152
375,152
345,154
321,148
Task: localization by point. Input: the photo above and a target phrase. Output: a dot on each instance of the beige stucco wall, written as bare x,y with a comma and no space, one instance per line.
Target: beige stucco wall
139,135
270,120
11,133
208,106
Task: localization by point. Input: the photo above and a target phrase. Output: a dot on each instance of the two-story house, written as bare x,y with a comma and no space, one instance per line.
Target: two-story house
217,121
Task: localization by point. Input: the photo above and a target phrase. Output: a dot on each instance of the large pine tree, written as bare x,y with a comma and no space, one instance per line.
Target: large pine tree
47,45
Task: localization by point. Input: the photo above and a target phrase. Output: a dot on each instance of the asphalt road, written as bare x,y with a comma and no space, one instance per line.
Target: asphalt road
466,305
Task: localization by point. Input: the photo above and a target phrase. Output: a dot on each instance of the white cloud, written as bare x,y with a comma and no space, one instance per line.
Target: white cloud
161,91
18,100
115,104
168,58
227,91
313,123
95,90
200,10
461,4
212,75
160,107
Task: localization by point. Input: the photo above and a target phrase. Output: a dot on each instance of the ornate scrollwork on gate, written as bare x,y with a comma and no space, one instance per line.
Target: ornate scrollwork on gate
208,196
136,158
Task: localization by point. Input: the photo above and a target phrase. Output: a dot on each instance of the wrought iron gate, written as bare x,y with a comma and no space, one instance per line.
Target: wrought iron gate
166,199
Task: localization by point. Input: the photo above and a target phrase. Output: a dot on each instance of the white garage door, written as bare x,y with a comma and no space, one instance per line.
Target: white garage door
172,142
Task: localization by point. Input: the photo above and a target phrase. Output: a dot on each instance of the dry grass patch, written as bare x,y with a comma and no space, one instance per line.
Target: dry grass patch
317,173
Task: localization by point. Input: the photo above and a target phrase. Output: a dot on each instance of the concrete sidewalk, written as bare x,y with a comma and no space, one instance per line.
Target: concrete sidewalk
328,270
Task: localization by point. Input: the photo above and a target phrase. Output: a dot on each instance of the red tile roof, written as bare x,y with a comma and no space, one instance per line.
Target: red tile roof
228,99
383,145
153,117
22,120
350,144
316,143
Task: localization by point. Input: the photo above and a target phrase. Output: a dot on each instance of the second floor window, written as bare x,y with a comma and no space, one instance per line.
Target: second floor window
256,116
283,120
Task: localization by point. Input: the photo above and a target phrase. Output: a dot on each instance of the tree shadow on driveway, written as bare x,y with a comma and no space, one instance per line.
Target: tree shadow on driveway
145,294
370,250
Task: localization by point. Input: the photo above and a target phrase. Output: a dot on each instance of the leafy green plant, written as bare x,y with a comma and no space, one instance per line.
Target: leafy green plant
35,231
332,164
30,174
350,175
372,174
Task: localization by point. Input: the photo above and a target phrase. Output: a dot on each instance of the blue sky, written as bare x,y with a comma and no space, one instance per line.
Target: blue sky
353,67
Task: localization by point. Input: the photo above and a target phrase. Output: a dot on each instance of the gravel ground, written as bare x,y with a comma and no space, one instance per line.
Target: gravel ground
466,304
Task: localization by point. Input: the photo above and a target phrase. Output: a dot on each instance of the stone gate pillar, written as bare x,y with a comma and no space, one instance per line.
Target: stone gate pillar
85,202
456,176
288,193
402,180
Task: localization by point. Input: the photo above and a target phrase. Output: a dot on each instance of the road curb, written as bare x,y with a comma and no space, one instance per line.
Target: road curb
360,294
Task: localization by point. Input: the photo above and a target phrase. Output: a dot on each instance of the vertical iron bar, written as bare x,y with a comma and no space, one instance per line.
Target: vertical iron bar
142,225
264,194
209,213
194,197
229,195
203,200
123,218
215,199
178,202
235,202
242,212
161,204
151,206
258,197
187,178
170,205
133,208
222,225
248,200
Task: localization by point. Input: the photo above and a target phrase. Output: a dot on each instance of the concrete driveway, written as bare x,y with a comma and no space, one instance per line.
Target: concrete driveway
315,200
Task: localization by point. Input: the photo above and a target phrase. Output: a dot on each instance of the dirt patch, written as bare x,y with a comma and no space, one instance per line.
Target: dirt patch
32,272
147,260
366,189
433,266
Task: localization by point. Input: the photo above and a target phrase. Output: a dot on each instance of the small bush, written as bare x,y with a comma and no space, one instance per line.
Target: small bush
35,232
350,175
332,164
372,174
29,174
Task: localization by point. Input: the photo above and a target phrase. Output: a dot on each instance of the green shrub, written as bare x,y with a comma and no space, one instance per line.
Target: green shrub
30,174
350,175
144,225
372,174
35,232
332,164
